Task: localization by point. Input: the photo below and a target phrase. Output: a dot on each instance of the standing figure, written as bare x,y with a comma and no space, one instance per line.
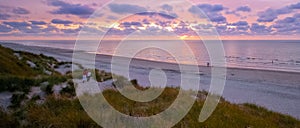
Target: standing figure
84,75
89,74
207,64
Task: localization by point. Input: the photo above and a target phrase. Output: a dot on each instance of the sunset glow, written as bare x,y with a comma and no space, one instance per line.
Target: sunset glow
232,20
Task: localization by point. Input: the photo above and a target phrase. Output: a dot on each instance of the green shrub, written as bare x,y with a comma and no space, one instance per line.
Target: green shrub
69,91
16,99
16,83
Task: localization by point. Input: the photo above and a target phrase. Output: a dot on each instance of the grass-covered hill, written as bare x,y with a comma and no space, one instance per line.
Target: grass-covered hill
11,65
67,113
20,72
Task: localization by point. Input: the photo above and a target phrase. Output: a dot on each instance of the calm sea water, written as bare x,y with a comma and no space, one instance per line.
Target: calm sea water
259,54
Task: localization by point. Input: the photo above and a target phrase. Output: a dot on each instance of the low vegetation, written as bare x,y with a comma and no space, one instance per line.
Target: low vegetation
64,112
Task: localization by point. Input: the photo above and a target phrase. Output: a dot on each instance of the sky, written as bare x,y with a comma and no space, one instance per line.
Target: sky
152,19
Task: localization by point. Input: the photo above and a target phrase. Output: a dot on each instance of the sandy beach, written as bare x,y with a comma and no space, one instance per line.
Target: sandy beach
276,90
280,78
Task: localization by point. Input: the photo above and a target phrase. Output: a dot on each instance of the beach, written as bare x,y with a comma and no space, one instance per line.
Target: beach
276,90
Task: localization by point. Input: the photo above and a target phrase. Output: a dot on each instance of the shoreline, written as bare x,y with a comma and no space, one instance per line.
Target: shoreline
260,76
64,52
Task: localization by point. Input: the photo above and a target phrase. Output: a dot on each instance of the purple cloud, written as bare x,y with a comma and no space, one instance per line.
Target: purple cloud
71,31
287,20
270,15
267,16
17,24
288,25
23,27
129,24
241,25
244,9
38,22
114,31
72,9
21,11
58,21
5,28
4,16
212,11
126,8
167,7
295,6
297,15
239,9
218,18
260,29
211,8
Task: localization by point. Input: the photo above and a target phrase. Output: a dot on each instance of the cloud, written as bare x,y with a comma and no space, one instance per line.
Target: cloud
72,9
126,8
241,25
297,15
71,31
5,28
21,11
129,24
237,11
218,18
50,28
212,11
288,25
295,6
24,27
270,14
38,22
211,8
167,7
237,28
37,28
267,16
260,29
4,16
114,31
287,20
17,24
244,9
168,16
58,21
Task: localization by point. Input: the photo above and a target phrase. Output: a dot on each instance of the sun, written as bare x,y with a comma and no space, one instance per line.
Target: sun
183,37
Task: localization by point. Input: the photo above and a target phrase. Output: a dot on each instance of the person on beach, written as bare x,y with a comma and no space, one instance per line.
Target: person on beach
89,74
84,76
207,64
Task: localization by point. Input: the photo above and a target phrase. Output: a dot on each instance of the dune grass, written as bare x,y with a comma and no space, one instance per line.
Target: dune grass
12,65
17,75
64,112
